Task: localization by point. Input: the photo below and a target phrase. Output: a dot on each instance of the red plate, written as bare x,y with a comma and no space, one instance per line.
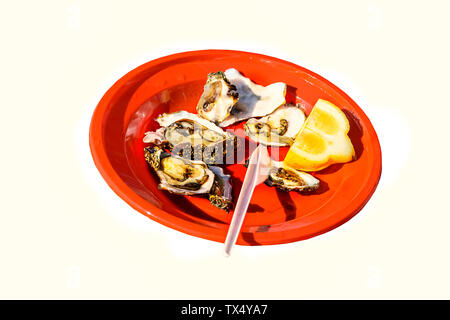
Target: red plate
175,82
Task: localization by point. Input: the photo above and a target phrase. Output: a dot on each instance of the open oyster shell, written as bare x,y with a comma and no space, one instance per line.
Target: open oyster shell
178,175
254,100
220,194
288,179
188,177
218,97
278,128
192,137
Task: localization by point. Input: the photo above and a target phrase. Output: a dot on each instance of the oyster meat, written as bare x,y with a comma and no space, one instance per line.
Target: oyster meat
278,128
178,175
254,100
288,179
220,194
192,137
218,97
188,177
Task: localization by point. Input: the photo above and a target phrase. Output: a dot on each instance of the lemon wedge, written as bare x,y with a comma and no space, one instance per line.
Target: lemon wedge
322,141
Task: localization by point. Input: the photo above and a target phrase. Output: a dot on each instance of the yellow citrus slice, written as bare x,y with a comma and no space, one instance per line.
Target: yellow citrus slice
322,141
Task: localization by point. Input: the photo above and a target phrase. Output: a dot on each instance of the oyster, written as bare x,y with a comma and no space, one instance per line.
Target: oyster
178,175
187,177
254,100
288,179
278,128
220,194
191,137
218,97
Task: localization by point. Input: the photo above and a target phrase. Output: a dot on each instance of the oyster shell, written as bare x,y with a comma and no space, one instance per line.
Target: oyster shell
192,137
178,175
278,128
218,97
220,194
187,177
156,137
254,100
288,179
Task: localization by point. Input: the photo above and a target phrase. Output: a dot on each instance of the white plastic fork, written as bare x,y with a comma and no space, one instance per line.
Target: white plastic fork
257,171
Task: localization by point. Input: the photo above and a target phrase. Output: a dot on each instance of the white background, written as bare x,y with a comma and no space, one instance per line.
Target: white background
65,234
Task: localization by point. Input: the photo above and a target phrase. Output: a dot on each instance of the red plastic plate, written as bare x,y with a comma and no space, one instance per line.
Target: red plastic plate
176,82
